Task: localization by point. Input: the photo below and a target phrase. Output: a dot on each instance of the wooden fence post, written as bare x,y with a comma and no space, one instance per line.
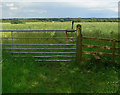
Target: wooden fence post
113,49
79,45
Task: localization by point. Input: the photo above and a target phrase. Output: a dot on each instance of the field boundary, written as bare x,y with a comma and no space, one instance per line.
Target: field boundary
80,44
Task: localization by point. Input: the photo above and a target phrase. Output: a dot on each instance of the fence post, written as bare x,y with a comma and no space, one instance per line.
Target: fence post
78,44
113,49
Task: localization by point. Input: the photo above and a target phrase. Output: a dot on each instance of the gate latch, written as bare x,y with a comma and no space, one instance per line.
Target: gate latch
69,30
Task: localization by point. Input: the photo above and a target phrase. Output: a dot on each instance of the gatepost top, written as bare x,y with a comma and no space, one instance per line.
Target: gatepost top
78,26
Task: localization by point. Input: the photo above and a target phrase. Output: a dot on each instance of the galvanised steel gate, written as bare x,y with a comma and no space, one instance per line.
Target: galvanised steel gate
42,45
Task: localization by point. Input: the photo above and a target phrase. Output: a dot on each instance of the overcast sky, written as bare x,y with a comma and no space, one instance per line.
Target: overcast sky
59,8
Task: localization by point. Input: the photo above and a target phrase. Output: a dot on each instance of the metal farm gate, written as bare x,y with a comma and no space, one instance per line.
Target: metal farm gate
41,45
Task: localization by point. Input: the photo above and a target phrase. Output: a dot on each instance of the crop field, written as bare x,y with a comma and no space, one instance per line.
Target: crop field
28,76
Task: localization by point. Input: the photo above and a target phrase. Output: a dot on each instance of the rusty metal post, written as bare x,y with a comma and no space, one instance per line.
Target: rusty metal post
72,24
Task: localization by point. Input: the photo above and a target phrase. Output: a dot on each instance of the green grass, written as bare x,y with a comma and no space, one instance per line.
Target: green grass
27,76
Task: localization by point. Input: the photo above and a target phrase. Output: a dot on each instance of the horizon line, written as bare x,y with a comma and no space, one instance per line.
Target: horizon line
56,17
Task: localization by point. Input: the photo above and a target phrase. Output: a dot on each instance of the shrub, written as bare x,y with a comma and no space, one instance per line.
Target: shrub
61,20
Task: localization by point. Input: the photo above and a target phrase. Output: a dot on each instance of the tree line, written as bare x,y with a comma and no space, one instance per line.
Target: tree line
23,20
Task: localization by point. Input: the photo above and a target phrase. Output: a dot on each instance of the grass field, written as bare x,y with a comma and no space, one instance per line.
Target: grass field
26,76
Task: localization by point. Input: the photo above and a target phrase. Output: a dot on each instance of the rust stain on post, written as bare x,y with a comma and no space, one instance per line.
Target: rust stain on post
79,45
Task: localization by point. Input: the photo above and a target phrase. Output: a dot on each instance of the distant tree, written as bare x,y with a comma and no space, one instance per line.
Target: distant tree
116,20
78,19
0,20
109,20
89,20
61,20
93,20
104,20
99,20
17,21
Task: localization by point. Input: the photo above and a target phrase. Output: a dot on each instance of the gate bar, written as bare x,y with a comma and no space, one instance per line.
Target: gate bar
40,44
39,48
55,60
69,30
46,56
43,52
38,37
